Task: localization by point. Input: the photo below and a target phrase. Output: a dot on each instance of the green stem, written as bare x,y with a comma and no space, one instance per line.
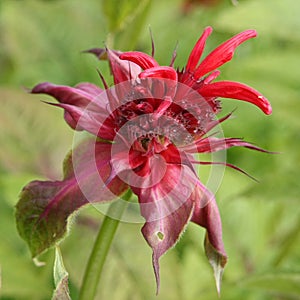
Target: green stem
101,247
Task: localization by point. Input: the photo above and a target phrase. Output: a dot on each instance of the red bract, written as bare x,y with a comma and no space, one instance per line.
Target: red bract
149,125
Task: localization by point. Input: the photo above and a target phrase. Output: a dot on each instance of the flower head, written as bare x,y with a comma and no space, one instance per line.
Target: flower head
147,128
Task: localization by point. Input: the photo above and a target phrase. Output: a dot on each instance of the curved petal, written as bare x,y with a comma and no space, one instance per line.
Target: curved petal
80,95
223,53
236,90
198,50
121,70
163,81
85,109
212,76
159,72
91,89
144,60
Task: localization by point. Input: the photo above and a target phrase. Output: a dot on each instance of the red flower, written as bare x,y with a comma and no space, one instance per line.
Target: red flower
150,124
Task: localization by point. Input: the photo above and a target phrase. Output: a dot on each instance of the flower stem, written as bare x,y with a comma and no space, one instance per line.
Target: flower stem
101,247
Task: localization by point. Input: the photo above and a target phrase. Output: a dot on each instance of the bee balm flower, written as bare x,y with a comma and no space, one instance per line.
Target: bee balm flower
148,126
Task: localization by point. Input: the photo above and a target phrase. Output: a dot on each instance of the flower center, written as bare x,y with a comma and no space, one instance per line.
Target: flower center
180,121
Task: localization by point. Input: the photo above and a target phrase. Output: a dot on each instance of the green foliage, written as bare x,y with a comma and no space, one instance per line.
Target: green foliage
42,40
125,21
284,284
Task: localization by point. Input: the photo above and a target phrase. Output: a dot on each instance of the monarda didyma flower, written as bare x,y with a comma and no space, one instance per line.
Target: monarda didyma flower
147,128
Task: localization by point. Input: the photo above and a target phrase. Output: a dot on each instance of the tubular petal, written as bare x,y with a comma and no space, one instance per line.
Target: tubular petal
198,50
81,94
73,100
236,90
83,109
159,72
144,60
223,53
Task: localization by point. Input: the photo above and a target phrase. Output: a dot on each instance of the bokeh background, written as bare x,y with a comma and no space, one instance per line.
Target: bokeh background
43,40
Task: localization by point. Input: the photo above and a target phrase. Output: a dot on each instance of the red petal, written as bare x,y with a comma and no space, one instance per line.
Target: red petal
122,70
80,95
90,88
144,60
163,81
159,72
236,90
84,108
198,50
211,77
223,53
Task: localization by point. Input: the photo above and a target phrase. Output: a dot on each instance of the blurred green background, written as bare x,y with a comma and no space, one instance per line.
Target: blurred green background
43,40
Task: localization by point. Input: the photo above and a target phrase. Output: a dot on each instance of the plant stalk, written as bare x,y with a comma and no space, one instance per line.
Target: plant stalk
101,247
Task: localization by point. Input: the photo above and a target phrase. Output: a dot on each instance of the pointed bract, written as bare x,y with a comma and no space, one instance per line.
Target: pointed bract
167,208
45,206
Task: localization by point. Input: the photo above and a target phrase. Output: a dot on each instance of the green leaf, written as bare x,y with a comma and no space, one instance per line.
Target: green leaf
60,278
216,260
287,284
